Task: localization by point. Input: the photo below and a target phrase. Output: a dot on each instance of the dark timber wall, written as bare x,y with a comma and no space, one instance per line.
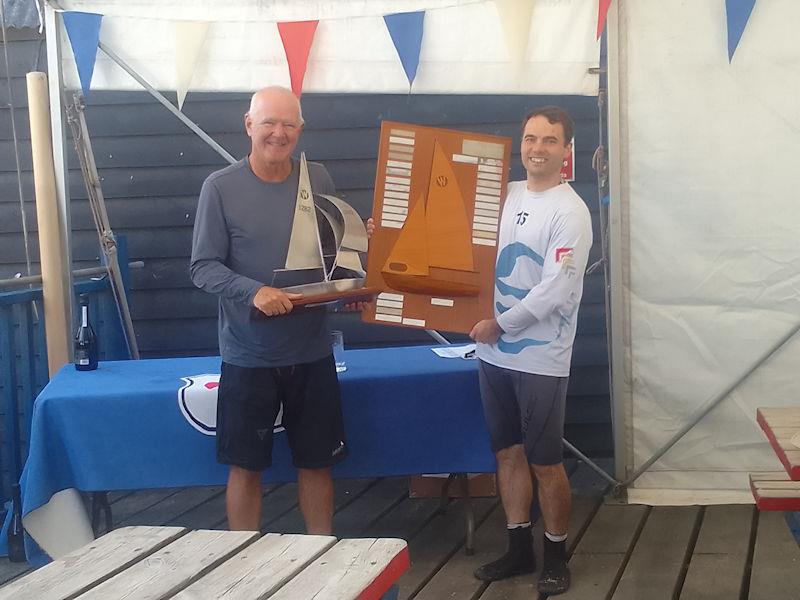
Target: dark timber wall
152,168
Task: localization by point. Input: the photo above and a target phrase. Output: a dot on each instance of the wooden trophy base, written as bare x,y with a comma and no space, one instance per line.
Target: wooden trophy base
339,291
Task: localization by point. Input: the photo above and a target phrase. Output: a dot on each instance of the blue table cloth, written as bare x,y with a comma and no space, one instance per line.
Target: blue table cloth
406,411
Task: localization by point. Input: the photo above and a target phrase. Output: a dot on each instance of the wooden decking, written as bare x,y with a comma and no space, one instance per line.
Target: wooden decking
619,552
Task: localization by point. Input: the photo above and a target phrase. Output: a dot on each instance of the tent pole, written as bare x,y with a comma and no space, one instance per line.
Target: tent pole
594,466
698,416
167,104
53,41
621,393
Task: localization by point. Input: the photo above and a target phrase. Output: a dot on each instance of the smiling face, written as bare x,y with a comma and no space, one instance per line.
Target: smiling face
274,124
543,150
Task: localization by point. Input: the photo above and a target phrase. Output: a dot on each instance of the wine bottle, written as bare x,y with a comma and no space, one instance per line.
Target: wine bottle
16,537
85,340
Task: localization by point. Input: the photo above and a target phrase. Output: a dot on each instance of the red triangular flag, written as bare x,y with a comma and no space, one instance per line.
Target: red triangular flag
602,13
297,37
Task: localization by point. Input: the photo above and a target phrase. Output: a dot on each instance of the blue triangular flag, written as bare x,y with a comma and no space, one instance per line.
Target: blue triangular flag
406,32
738,12
83,30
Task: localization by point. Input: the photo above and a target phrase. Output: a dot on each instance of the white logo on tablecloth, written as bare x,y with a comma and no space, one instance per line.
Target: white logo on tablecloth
197,400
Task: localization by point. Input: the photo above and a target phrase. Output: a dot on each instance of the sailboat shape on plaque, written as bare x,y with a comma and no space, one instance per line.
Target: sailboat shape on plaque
323,261
433,253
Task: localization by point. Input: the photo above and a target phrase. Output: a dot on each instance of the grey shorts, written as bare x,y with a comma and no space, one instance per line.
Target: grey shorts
523,408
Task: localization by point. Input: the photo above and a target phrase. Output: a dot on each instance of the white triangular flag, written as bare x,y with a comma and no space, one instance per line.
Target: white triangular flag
189,38
515,17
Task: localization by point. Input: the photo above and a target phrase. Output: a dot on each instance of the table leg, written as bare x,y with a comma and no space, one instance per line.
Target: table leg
469,514
793,520
444,499
100,505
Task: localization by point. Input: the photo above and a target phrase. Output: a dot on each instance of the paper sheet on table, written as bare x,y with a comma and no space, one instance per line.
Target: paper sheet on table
467,351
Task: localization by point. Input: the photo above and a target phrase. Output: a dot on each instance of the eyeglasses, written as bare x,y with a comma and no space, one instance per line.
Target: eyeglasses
287,125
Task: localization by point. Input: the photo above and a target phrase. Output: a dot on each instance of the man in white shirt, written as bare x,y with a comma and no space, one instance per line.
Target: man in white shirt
525,350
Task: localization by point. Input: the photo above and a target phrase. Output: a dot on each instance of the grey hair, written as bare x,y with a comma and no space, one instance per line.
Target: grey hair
277,88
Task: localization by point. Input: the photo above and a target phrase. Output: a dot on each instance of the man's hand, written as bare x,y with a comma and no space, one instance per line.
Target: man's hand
273,302
357,306
370,227
486,331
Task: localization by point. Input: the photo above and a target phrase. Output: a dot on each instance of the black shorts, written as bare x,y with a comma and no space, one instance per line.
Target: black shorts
523,408
249,400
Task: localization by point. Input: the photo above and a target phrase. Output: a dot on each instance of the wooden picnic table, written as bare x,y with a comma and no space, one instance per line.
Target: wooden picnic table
779,490
155,563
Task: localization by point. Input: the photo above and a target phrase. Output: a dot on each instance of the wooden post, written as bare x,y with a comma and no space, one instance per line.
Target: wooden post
56,311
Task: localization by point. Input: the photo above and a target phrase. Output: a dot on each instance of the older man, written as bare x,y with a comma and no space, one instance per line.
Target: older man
241,235
525,350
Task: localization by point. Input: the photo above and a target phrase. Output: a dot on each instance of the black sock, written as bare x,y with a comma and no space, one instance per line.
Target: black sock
554,578
518,558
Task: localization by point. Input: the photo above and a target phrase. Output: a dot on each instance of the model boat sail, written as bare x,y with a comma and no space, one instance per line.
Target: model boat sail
323,265
433,252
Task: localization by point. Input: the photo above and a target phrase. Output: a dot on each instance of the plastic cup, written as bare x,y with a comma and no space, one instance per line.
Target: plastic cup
337,343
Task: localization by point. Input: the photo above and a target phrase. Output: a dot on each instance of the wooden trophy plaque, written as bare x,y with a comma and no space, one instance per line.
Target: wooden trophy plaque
438,198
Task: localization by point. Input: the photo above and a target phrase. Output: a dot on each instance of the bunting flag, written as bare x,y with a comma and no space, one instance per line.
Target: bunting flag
83,30
738,12
515,17
297,37
189,38
405,30
602,13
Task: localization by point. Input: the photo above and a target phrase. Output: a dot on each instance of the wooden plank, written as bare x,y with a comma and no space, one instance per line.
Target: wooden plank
345,491
362,569
10,571
781,419
455,579
775,491
436,543
260,569
126,507
174,505
718,562
405,520
523,587
601,552
172,568
87,567
353,519
654,568
775,573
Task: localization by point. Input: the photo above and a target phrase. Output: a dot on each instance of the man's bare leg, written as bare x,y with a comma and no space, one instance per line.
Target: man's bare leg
514,481
243,499
555,497
516,493
315,490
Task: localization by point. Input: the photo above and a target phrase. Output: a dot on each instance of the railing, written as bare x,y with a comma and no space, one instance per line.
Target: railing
23,362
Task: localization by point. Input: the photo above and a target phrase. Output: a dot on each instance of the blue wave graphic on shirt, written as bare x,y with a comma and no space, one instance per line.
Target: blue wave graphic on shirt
518,346
506,261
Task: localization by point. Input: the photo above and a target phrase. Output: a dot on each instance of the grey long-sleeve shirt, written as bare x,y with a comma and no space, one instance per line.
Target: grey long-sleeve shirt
241,235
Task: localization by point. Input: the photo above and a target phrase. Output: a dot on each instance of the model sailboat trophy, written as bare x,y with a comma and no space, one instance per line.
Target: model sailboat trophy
323,262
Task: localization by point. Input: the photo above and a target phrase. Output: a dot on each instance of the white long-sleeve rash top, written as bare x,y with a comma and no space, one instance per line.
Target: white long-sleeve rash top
543,248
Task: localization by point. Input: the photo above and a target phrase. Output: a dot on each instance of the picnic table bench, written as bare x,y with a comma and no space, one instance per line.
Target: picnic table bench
156,563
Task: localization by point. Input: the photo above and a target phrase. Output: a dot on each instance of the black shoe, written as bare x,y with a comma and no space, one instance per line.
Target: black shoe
504,567
554,578
519,558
